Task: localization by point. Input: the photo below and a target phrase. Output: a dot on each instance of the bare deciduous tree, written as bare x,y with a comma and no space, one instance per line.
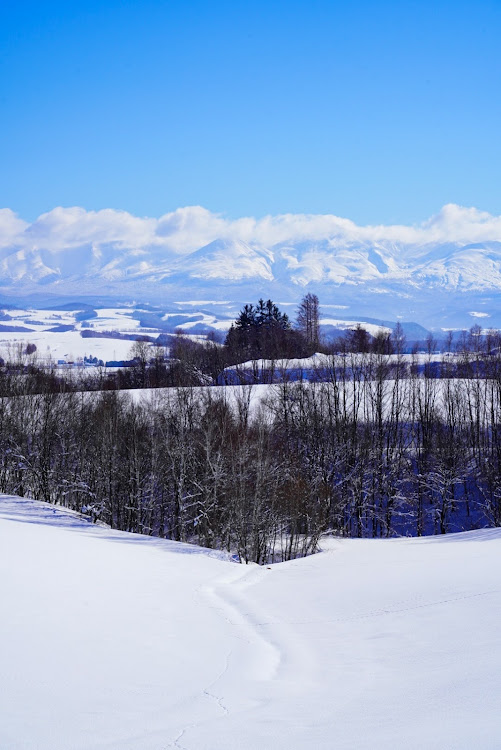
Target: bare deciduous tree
308,319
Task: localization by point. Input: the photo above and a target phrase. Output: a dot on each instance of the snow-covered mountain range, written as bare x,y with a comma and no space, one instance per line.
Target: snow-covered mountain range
446,271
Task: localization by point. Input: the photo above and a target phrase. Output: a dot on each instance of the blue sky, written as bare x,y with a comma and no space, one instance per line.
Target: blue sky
378,111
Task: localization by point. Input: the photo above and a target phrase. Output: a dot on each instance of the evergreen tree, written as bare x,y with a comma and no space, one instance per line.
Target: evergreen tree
260,331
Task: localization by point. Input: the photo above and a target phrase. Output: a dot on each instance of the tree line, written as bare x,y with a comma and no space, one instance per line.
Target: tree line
368,452
185,465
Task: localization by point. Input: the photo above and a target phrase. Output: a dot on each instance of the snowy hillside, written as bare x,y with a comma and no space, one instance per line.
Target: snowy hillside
124,642
442,272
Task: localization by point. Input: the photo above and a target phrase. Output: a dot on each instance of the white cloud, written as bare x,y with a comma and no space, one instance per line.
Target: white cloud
458,224
72,227
187,229
11,227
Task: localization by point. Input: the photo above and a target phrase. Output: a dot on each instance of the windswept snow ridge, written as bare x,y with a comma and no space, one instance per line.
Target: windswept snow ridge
117,641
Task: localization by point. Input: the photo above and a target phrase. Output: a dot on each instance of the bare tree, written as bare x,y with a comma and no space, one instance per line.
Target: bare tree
307,320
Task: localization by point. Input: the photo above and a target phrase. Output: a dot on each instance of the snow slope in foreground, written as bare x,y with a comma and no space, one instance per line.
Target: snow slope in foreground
117,641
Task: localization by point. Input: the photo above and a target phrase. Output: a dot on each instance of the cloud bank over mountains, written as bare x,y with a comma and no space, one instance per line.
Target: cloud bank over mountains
418,273
187,229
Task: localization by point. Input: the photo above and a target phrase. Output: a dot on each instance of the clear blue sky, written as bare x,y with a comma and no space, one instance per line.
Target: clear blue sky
377,111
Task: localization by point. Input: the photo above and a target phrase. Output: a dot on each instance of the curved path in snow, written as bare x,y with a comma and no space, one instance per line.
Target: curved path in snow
113,641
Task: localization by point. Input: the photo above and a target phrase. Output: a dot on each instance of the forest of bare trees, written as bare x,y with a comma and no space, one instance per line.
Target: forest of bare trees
383,445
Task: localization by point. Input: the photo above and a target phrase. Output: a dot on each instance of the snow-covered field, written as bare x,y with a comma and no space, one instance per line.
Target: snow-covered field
68,345
465,397
120,642
41,329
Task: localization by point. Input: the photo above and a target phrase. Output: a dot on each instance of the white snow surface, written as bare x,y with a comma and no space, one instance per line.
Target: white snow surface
344,325
120,642
68,345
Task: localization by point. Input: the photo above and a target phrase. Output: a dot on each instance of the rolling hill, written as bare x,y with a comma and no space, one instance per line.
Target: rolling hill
118,641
